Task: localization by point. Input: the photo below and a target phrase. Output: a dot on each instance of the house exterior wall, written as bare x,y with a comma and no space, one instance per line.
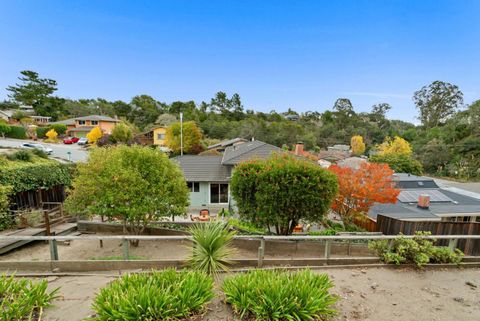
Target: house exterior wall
202,197
156,133
107,126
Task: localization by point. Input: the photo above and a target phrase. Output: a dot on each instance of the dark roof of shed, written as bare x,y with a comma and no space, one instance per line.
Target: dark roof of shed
462,204
247,151
406,181
203,168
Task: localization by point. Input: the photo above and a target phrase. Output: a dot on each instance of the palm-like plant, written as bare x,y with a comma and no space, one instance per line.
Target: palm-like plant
212,247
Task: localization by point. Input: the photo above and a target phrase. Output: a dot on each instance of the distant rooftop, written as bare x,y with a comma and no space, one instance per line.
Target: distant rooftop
247,151
227,143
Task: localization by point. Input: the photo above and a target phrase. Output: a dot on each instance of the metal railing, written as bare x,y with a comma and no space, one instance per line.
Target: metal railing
453,240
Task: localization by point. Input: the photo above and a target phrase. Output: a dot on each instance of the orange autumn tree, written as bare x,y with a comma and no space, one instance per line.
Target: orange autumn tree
361,188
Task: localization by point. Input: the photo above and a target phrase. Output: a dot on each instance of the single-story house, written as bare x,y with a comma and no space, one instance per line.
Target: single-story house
81,126
421,199
208,177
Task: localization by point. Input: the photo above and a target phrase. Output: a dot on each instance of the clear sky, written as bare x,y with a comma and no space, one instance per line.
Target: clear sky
275,54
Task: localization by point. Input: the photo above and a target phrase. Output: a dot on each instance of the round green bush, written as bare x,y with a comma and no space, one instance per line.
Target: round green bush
159,295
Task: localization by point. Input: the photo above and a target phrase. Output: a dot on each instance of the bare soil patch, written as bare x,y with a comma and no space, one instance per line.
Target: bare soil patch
374,294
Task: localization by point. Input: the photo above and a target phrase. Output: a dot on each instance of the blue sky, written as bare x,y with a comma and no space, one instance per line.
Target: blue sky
275,54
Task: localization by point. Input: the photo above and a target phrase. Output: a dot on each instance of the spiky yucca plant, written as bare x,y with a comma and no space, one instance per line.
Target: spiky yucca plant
212,247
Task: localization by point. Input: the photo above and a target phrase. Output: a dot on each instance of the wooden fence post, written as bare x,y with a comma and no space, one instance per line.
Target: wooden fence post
53,250
327,249
261,252
452,244
47,222
125,250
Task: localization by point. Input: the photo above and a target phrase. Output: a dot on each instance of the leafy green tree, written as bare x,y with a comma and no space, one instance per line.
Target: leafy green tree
122,133
437,102
165,120
136,185
192,137
32,89
282,191
121,109
400,163
145,110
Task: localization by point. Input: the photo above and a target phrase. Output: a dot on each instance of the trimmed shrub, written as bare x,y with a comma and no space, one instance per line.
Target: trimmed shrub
42,131
159,295
17,132
61,129
39,152
21,155
280,295
418,250
281,191
21,299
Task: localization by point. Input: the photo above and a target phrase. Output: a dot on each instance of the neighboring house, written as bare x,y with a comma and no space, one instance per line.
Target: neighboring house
353,162
421,199
155,136
8,113
41,120
208,177
220,147
81,126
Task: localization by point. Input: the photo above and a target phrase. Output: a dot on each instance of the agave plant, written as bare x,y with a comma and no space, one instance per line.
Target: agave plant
212,247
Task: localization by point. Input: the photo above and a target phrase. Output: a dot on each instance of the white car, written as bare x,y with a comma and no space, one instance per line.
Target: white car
82,141
47,150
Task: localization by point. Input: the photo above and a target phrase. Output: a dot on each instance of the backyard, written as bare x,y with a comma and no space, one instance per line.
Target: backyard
374,294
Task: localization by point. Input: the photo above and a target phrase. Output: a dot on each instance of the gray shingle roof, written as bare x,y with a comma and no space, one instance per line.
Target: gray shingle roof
226,143
203,168
461,204
70,121
247,151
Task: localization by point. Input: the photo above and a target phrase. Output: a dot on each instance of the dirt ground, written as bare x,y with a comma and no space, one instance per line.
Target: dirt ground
375,294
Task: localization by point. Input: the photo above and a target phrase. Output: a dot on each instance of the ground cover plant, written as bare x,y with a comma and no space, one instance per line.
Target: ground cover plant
212,247
244,227
280,295
159,295
418,250
23,299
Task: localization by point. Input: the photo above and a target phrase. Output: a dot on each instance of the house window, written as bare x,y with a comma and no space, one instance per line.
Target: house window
218,193
81,122
94,122
193,186
160,136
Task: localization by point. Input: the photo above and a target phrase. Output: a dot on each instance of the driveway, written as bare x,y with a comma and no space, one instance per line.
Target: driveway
77,153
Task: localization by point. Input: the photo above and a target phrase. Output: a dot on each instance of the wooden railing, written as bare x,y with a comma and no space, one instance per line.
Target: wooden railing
453,240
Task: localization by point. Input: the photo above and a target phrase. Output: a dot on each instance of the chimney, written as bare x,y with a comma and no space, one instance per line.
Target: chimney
299,149
423,201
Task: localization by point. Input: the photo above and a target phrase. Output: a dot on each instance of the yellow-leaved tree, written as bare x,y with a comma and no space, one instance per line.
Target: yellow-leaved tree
357,145
94,135
396,146
192,136
52,135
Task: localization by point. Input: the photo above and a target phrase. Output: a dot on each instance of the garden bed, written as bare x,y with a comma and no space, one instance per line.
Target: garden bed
365,294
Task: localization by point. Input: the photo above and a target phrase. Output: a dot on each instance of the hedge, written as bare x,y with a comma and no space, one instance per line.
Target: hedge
41,131
31,176
17,132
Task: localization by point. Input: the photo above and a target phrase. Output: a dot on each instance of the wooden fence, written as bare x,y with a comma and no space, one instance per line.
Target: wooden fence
391,226
35,198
